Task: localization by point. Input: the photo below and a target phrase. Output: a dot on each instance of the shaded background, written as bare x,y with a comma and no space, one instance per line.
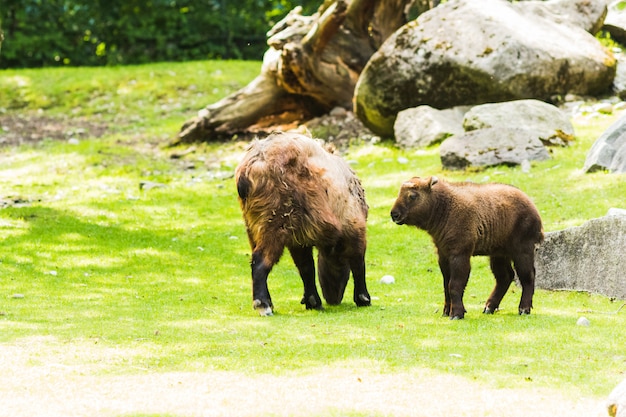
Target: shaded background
43,33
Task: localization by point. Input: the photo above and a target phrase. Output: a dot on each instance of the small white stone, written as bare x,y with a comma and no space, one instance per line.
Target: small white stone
619,106
605,108
403,160
387,279
583,321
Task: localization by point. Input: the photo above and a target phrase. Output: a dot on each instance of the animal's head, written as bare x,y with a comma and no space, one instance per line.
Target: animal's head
413,202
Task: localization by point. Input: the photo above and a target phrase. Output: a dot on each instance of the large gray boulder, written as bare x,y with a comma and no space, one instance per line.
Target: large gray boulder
608,152
615,21
491,146
466,52
585,258
588,15
619,82
552,126
423,126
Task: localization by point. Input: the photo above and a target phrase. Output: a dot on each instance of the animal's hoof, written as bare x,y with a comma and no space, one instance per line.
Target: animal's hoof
262,308
524,311
363,300
456,313
488,310
266,312
312,302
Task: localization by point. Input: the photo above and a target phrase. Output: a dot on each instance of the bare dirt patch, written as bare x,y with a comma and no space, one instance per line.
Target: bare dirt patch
19,129
43,377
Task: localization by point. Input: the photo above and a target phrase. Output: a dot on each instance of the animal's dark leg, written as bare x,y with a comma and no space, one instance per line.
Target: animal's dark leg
303,258
503,272
459,275
361,296
261,299
444,266
525,268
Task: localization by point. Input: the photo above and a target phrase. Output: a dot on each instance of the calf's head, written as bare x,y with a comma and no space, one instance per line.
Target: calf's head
413,202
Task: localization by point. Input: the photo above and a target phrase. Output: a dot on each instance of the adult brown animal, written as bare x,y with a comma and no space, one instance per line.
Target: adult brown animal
295,193
467,219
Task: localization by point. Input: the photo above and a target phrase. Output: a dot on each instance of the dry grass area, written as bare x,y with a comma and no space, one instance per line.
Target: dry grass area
44,377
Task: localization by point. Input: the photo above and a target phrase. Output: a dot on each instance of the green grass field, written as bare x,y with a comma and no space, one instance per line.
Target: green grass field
164,272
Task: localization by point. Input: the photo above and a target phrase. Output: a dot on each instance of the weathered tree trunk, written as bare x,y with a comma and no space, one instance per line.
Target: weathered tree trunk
311,66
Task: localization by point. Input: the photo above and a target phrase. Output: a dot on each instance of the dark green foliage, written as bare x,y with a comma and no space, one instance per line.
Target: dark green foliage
43,33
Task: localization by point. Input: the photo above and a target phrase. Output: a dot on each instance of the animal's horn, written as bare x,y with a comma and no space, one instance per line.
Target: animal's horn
433,180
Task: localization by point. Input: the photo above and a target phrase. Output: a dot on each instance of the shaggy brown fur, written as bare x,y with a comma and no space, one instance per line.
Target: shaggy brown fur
467,219
294,193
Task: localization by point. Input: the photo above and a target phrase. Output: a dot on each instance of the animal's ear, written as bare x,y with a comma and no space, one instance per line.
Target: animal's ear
433,180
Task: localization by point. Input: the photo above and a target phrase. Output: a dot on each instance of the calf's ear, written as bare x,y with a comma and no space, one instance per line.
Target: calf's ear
433,180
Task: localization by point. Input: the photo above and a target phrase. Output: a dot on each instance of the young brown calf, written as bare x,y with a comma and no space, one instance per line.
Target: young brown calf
467,219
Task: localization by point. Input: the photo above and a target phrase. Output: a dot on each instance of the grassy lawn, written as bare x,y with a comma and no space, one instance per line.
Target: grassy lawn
91,257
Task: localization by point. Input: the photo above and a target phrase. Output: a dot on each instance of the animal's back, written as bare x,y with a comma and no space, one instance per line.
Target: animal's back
502,214
290,182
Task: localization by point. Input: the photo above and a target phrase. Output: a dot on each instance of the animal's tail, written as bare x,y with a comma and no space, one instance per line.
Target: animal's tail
243,187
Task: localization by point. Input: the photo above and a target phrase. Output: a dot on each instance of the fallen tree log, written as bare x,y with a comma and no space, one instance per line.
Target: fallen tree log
312,65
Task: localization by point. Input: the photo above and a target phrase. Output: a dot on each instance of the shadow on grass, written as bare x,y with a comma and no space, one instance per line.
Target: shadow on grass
107,277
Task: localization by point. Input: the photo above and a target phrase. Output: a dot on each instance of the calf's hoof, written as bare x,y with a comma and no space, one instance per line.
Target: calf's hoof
457,313
363,300
524,311
264,309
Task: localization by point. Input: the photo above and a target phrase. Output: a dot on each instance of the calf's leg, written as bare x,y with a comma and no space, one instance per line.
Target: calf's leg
444,266
303,258
503,272
459,275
